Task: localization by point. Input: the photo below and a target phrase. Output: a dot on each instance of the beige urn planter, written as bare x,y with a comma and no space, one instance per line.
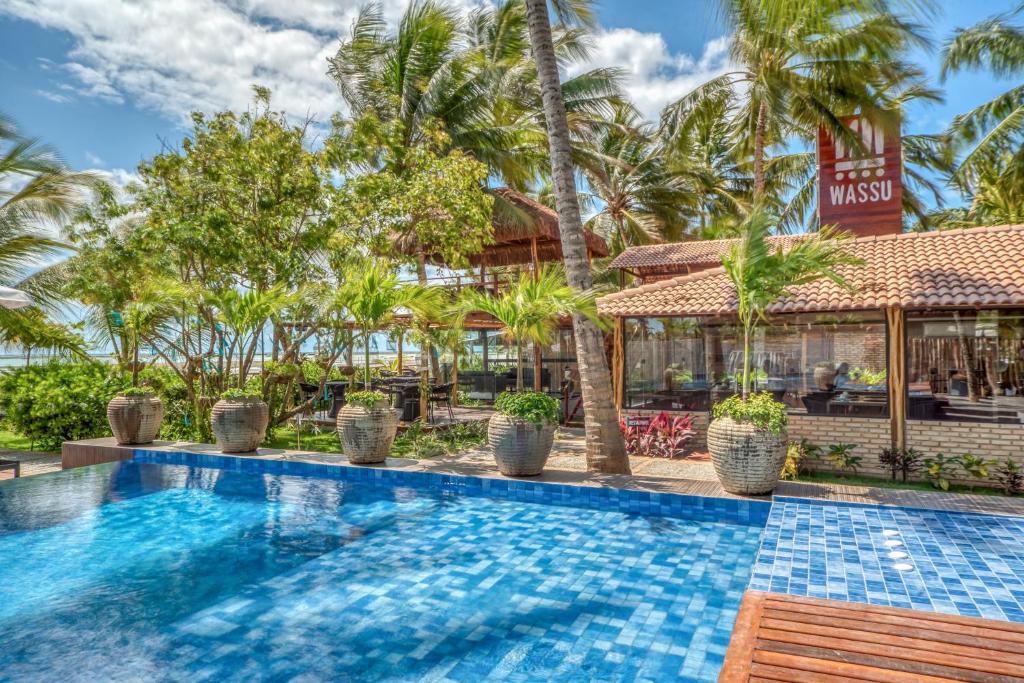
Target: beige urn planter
239,424
367,433
520,448
825,377
748,459
135,419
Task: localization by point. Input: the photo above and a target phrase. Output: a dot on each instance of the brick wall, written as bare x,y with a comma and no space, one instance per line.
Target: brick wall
869,435
986,440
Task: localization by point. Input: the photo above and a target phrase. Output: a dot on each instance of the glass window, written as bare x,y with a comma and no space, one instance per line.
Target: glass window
821,365
966,366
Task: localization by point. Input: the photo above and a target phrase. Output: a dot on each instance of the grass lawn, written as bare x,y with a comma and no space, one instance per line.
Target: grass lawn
853,480
412,443
16,442
324,442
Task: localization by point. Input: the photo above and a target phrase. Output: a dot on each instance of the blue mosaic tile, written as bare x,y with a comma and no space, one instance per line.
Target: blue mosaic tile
950,562
261,570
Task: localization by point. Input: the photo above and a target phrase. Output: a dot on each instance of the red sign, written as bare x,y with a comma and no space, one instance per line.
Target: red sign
859,188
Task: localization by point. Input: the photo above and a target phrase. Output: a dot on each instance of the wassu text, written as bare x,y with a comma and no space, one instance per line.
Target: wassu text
861,193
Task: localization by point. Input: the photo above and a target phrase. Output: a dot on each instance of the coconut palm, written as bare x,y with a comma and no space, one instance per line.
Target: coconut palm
642,202
374,298
530,309
606,451
37,191
803,65
762,274
997,126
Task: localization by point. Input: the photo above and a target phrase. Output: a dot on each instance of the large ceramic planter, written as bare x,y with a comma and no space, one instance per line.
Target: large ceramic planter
135,419
825,378
239,424
367,434
520,448
748,459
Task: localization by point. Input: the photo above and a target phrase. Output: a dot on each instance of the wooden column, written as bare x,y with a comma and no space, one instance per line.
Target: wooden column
455,376
618,363
538,358
894,318
401,336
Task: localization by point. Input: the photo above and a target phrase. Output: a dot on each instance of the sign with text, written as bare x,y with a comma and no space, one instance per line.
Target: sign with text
859,188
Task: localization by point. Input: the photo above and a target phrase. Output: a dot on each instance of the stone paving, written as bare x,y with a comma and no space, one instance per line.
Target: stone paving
692,476
31,462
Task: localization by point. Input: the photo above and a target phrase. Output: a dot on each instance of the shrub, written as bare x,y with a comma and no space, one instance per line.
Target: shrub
939,470
1010,477
59,401
797,455
662,437
180,422
904,461
366,399
239,394
760,410
532,406
974,467
841,456
135,391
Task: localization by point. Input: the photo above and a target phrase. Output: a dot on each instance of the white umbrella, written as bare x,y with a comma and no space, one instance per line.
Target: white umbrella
14,298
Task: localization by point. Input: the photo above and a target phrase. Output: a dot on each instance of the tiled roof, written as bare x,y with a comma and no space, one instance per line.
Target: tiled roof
685,253
973,267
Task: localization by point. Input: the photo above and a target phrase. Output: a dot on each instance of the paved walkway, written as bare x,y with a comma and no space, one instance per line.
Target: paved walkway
31,462
693,476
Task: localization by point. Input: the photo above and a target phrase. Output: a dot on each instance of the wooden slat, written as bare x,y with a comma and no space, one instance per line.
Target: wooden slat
787,638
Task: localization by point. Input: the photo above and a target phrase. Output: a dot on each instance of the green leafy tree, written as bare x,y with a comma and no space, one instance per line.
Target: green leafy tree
763,274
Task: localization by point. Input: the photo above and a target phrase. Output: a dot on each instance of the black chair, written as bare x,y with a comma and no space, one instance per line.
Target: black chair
442,393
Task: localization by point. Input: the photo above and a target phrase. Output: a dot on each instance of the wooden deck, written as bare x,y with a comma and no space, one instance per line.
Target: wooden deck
793,639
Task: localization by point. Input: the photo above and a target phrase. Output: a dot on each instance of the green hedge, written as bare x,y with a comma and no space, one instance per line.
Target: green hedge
59,401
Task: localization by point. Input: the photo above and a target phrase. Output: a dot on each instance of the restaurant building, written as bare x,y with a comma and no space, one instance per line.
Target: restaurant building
925,350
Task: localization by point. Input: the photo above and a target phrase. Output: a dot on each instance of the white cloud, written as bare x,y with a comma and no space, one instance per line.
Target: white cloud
178,56
57,97
94,159
655,76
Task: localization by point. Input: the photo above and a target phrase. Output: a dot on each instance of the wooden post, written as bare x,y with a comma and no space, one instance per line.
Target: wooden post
455,376
425,395
894,318
618,364
401,336
538,358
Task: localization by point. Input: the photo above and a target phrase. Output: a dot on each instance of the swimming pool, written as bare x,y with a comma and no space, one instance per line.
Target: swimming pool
177,566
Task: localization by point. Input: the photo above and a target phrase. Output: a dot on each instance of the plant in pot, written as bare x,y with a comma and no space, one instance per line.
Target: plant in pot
135,415
367,426
747,436
521,432
239,420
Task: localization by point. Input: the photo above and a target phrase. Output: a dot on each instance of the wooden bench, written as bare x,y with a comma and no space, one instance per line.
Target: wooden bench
793,639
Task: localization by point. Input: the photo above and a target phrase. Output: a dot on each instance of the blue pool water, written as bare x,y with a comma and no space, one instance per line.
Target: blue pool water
956,563
150,571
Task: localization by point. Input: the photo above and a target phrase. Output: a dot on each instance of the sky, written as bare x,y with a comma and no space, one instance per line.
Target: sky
107,82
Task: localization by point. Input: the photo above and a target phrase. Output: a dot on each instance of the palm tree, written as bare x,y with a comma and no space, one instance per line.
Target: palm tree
530,309
36,191
803,65
997,126
763,274
374,298
606,451
642,201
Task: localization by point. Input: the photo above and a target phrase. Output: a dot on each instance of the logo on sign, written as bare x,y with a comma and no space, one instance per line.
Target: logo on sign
860,184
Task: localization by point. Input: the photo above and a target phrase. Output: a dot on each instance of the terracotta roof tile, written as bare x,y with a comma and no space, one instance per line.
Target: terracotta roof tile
684,253
972,267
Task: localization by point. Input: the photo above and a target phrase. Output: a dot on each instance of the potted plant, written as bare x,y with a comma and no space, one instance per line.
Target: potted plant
367,426
747,437
134,416
239,420
521,432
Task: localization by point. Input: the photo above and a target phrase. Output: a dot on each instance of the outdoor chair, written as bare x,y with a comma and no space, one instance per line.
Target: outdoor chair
442,393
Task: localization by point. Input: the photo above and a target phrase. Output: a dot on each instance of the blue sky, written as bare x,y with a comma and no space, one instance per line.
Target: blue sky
106,80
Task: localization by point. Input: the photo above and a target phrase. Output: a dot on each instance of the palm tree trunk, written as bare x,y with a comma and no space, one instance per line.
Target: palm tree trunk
519,367
762,121
366,357
745,383
605,449
427,361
